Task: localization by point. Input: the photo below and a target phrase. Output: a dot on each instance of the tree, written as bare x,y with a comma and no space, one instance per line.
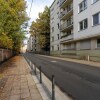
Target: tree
41,28
13,18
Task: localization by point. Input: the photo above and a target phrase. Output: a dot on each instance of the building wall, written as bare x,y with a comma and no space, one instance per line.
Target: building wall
91,9
54,20
29,44
83,43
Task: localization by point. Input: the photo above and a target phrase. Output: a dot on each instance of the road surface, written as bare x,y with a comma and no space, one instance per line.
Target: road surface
82,82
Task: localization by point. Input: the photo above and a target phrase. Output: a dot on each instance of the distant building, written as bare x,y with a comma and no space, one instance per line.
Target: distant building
29,44
79,28
36,47
24,48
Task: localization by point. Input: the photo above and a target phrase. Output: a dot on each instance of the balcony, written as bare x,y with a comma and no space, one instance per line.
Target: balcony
66,25
66,38
64,3
65,14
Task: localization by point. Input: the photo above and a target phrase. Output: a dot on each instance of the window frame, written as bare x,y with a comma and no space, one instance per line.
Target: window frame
93,19
83,24
97,43
83,7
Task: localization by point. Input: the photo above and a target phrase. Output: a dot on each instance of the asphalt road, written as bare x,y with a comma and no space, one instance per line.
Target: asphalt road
82,82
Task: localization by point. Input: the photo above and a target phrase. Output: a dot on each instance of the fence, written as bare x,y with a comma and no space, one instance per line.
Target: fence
5,54
38,71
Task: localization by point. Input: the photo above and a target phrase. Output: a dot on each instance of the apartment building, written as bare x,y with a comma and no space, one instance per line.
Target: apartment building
80,29
36,47
33,45
55,28
29,44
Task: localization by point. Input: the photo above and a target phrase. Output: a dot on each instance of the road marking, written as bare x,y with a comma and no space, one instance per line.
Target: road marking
54,61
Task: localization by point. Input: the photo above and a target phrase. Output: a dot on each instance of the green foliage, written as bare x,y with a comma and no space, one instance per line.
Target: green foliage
41,27
6,42
12,19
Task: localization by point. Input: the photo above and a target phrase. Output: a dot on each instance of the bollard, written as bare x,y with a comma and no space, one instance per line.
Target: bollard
53,88
32,67
35,69
40,75
30,63
88,58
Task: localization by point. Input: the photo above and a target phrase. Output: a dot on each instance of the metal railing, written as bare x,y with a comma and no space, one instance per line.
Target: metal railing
65,12
38,71
61,2
66,24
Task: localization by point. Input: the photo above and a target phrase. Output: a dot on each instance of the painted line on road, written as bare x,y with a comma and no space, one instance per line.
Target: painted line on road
53,61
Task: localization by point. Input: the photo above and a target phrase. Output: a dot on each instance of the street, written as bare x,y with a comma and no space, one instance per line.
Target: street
81,82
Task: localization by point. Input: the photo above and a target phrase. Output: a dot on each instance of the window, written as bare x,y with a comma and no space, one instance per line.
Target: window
58,36
52,9
94,1
52,48
58,47
96,19
57,14
52,29
58,25
83,24
82,5
58,3
98,43
35,40
52,39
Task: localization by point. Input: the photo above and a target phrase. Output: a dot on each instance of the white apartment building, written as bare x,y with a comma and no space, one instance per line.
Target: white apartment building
55,27
29,44
80,29
33,45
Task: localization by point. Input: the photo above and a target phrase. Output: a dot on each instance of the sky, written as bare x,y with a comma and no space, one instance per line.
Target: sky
37,6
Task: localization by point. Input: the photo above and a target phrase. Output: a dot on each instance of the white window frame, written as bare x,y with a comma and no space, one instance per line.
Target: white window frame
83,8
83,25
99,19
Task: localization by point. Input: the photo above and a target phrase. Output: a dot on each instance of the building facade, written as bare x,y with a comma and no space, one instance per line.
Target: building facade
30,44
80,29
55,28
33,45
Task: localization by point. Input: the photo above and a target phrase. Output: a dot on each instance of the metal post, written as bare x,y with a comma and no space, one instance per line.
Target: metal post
35,69
88,58
30,63
53,88
40,75
32,67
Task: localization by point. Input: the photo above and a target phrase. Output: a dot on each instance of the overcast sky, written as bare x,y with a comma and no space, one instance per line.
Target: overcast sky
38,6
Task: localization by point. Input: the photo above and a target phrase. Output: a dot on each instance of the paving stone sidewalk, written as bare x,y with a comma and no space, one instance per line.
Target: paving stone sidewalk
19,84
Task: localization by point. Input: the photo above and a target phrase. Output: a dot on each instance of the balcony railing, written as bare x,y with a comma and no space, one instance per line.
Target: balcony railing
61,2
66,24
67,38
65,12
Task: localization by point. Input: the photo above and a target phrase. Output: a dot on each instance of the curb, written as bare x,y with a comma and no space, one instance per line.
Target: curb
46,85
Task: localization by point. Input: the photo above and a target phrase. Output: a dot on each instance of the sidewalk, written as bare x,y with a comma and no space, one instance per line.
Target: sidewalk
16,82
91,63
